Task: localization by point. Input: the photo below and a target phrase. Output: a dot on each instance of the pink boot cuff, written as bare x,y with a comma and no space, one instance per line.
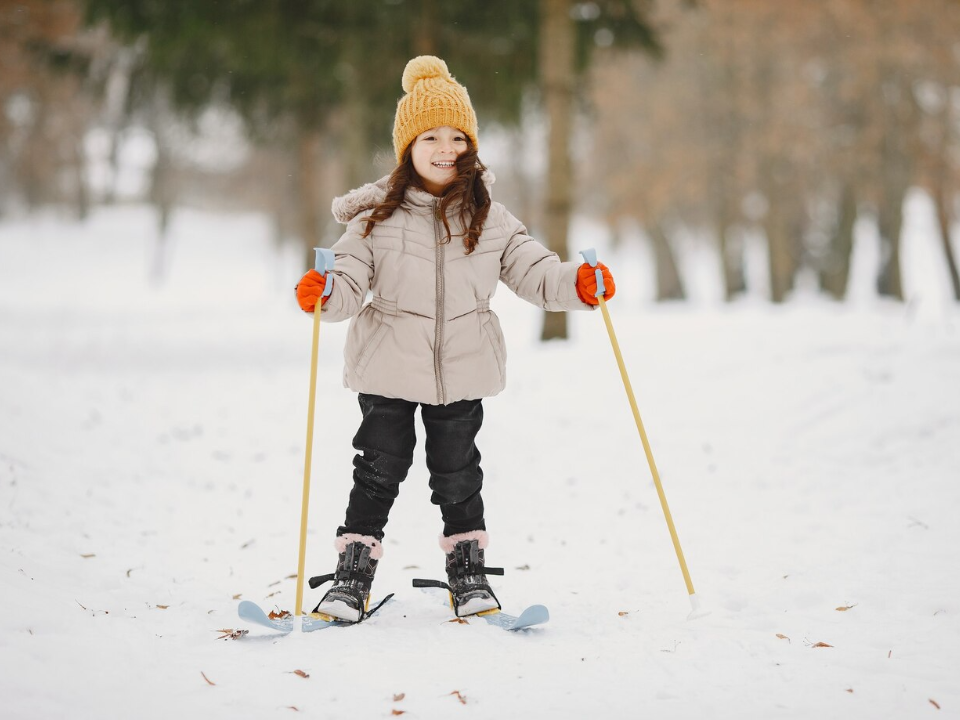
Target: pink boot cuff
448,543
376,549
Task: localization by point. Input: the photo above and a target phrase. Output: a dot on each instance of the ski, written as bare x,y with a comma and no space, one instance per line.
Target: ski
533,615
253,613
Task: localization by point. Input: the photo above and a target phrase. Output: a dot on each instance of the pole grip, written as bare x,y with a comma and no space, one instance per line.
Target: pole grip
590,257
323,264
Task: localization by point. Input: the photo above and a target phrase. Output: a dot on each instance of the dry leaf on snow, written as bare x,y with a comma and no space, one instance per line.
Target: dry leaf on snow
397,712
821,644
934,703
301,673
783,637
399,696
237,596
458,621
87,555
461,698
623,613
278,614
209,681
161,607
844,608
230,633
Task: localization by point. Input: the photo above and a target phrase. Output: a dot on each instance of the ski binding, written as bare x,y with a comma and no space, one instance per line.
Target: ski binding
251,612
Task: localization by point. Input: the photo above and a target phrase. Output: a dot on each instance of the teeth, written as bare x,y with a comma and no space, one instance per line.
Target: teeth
443,164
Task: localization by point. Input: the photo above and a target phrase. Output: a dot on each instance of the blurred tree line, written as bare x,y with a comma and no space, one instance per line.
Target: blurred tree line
727,119
787,121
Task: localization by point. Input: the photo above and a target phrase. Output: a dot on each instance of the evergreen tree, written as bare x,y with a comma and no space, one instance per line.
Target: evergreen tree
300,64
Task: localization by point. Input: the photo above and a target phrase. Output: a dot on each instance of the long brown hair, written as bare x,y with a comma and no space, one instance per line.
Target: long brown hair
467,189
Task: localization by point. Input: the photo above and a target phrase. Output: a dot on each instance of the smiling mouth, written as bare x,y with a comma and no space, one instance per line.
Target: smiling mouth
443,165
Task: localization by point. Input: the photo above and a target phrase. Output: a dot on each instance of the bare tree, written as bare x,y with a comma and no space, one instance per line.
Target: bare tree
791,117
557,78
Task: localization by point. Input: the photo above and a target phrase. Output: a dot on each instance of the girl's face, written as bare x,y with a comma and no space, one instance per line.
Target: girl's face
434,155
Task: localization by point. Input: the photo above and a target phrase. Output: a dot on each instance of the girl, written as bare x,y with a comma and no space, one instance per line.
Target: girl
430,245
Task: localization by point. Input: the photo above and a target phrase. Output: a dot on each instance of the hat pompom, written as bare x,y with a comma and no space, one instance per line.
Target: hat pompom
421,68
433,98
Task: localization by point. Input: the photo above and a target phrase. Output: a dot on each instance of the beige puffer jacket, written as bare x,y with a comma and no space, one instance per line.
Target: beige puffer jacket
428,335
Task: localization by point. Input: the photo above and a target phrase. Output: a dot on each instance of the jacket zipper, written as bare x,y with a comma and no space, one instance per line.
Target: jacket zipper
438,335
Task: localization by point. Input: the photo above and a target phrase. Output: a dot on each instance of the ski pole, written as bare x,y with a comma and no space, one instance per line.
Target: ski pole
590,256
324,262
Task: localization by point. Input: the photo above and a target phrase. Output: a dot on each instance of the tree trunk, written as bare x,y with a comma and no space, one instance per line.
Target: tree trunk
731,256
115,107
782,236
895,176
942,198
79,167
35,165
425,37
780,263
557,77
835,272
889,224
308,146
356,146
162,192
522,202
721,122
942,201
354,136
669,285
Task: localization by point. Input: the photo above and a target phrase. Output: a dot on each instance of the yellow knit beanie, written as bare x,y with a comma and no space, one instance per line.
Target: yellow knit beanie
433,99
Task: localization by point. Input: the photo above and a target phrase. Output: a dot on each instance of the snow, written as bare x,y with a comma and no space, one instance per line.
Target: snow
151,450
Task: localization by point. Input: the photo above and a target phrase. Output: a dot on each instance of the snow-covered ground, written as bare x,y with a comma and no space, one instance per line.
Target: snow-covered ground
151,450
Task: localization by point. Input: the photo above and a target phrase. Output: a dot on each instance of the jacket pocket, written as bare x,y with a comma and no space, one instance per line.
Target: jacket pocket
370,349
492,329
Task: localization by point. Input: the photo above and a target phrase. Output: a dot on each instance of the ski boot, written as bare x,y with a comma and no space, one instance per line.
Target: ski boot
470,593
349,598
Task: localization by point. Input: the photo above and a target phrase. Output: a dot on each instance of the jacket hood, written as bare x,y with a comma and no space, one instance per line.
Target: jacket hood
346,207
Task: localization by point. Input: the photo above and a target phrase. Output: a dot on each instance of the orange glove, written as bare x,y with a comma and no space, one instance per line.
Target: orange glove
587,283
310,289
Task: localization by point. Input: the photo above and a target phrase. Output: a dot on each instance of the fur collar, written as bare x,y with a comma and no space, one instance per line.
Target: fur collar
346,207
